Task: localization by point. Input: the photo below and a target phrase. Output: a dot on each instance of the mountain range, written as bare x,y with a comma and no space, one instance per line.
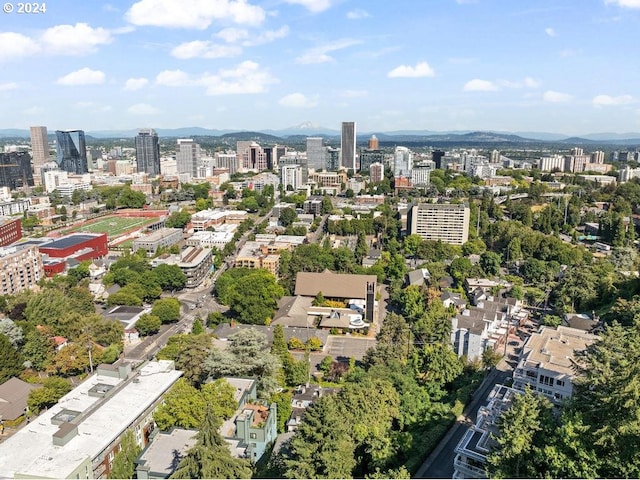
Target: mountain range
308,129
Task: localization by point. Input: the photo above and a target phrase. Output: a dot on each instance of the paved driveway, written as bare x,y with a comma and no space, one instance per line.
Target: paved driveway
343,347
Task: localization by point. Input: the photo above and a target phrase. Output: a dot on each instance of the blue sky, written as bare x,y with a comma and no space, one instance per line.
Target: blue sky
563,66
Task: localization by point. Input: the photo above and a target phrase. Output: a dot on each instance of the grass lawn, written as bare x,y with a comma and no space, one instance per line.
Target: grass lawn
114,226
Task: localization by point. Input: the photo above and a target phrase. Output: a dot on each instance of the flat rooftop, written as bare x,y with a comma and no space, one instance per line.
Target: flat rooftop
553,349
71,240
30,452
166,450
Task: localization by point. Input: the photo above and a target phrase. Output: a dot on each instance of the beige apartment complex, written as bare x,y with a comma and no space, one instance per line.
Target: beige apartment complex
448,223
20,268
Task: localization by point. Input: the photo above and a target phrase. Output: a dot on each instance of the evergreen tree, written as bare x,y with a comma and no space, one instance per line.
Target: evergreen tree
10,360
210,456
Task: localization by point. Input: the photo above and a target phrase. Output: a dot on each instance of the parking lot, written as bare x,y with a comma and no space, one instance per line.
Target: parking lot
343,347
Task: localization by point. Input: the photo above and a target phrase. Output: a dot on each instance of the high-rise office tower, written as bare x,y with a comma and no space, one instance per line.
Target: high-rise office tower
436,156
373,143
333,159
403,162
72,151
369,157
15,170
148,151
39,146
348,145
316,153
188,157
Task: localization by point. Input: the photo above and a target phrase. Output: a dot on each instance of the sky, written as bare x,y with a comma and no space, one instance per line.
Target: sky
561,66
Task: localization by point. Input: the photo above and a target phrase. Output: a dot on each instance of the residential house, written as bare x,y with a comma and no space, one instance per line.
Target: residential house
13,400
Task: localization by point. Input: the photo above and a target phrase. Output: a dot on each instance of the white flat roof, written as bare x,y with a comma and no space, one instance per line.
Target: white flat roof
31,452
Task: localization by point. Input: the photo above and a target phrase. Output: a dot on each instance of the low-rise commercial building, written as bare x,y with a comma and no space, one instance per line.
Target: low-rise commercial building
161,238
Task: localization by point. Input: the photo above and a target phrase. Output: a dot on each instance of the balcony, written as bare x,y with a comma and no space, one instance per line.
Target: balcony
467,470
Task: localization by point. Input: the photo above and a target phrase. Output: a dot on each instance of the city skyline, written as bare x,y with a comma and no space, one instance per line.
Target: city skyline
273,64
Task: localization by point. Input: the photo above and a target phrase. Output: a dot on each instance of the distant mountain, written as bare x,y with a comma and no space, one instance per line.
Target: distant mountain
250,136
14,133
307,129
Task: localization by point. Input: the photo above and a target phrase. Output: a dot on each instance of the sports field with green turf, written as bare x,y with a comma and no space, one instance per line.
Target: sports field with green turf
114,226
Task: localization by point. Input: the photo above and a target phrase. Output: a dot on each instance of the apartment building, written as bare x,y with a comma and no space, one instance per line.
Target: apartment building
20,268
164,237
448,223
547,360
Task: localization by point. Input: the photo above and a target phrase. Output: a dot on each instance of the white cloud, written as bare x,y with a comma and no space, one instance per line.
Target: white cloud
319,54
205,49
197,14
142,109
136,83
550,31
246,77
241,36
315,6
556,97
531,82
78,39
421,69
173,78
84,76
478,85
357,14
232,35
607,100
5,87
16,45
298,100
624,3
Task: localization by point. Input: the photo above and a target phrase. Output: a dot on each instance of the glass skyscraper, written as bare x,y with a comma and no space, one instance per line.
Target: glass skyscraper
72,151
148,151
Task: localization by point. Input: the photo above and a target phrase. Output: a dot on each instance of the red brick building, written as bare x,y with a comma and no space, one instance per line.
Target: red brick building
79,246
10,230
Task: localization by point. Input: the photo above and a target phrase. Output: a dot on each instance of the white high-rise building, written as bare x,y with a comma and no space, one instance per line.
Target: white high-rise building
448,223
420,176
291,176
54,178
402,162
348,145
188,157
546,164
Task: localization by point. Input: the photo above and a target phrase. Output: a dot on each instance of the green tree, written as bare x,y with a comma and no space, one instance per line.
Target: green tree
437,363
48,395
183,406
284,409
124,461
170,277
287,216
178,219
12,331
166,309
148,324
197,327
490,263
38,349
10,360
189,353
210,456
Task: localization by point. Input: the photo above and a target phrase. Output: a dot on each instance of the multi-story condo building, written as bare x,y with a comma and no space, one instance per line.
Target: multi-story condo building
53,179
14,207
148,151
72,151
296,158
448,223
373,143
39,145
316,153
228,160
420,175
80,435
553,162
291,176
15,170
348,145
10,230
597,156
253,157
188,157
376,172
576,163
20,269
402,162
547,361
368,157
627,174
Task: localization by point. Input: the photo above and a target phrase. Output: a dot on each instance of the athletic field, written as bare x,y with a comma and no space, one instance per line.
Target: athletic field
114,226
